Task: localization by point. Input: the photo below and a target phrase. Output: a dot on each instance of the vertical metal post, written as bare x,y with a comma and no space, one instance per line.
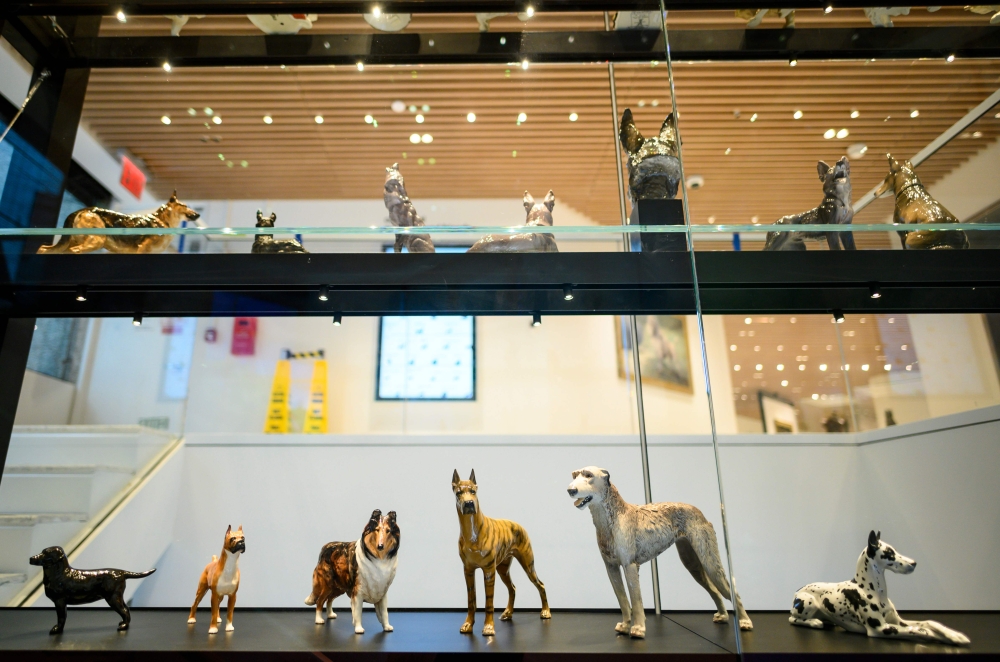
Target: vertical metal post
847,379
632,330
15,341
701,336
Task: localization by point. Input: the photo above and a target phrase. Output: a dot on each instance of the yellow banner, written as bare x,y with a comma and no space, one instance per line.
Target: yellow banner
316,414
278,420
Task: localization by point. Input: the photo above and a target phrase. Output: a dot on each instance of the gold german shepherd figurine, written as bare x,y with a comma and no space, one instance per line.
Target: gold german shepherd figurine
915,205
168,215
491,544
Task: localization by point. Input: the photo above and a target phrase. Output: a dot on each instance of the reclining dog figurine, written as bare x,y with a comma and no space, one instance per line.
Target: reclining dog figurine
835,209
539,213
862,605
915,205
402,214
266,243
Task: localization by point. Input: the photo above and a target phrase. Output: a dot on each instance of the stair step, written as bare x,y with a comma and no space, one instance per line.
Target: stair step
31,519
12,578
55,469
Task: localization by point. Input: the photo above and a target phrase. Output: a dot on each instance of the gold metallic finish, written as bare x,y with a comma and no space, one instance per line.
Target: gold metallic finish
915,205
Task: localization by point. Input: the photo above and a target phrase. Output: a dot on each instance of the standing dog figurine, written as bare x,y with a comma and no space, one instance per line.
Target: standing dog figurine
362,569
68,586
222,576
539,213
915,205
168,215
491,545
403,214
266,243
862,605
836,209
629,535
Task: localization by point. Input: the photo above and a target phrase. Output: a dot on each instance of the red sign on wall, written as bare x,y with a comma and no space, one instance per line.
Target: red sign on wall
133,179
244,336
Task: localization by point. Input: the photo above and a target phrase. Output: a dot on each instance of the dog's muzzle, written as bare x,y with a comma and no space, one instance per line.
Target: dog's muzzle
241,546
580,503
469,508
35,560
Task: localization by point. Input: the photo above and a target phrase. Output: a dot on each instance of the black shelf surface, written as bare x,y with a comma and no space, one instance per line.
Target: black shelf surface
419,634
518,284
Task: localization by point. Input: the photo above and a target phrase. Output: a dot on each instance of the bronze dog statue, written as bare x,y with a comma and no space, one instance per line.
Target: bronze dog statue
539,213
168,215
654,170
403,214
266,243
835,209
915,205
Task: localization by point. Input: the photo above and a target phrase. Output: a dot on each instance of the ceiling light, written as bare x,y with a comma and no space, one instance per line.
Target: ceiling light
914,113
81,293
524,64
120,16
830,133
324,293
759,367
573,117
318,119
950,58
216,120
711,220
376,11
425,108
414,138
977,134
822,367
397,106
797,115
864,367
208,111
855,114
857,150
268,119
530,11
420,119
361,66
747,320
815,396
781,366
736,367
784,382
521,117
337,319
838,317
165,119
887,367
244,164
829,8
471,117
536,319
192,112
369,119
427,138
728,151
874,291
802,366
167,67
793,62
567,292
753,118
732,348
843,133
137,320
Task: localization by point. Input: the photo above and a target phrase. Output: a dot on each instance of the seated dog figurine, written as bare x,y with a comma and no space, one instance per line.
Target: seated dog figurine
862,605
539,213
836,209
68,586
363,569
266,243
403,214
491,545
628,536
915,205
222,577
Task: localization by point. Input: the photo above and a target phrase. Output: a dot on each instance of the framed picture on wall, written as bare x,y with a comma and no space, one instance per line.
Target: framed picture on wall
664,352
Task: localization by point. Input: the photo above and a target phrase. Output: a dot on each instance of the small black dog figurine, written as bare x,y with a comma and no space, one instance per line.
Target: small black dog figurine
68,586
266,243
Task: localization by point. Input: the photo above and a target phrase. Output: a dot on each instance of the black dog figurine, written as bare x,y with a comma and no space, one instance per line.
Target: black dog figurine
68,586
266,243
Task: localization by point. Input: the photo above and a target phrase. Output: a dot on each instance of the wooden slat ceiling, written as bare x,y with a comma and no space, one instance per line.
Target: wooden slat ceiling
769,171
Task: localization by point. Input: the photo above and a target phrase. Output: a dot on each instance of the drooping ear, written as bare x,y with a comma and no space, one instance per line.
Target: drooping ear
822,168
550,200
260,216
372,522
455,480
472,477
607,477
667,129
629,136
529,201
872,544
575,474
391,517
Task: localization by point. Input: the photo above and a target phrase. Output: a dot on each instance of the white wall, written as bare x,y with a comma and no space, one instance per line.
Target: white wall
44,400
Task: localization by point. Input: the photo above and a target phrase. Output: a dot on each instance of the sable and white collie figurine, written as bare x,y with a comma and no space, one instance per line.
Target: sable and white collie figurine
222,576
362,569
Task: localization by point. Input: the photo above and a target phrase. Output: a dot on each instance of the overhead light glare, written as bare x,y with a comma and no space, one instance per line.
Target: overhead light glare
914,113
536,319
759,367
324,293
81,293
529,11
120,16
822,367
268,119
573,117
167,67
781,366
753,118
471,117
864,367
369,119
829,133
843,133
361,66
165,119
414,138
797,115
376,11
216,120
420,119
950,58
521,117
318,119
855,114
427,138
829,8
525,64
793,62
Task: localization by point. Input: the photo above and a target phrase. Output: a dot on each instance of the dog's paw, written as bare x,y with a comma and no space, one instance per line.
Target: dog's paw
56,630
219,620
386,628
623,627
507,615
488,630
359,630
320,620
955,637
213,630
191,620
746,624
545,614
637,632
122,626
332,614
720,617
229,627
466,627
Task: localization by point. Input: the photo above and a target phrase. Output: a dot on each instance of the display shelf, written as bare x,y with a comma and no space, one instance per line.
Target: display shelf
602,283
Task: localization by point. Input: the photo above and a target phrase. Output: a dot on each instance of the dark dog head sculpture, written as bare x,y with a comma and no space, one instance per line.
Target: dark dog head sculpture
539,213
466,501
266,221
654,170
49,557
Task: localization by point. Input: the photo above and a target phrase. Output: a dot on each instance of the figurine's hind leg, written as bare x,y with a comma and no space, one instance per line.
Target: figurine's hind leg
504,571
848,239
85,244
117,602
526,557
833,240
202,590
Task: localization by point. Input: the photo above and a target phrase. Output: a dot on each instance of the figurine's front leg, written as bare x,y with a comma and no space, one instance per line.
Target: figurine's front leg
60,617
230,606
382,612
615,575
356,604
470,590
638,614
489,579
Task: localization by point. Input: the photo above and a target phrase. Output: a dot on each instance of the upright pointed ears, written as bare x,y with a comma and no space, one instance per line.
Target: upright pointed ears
173,198
273,217
241,528
455,480
667,129
529,201
472,477
391,517
393,168
629,136
873,539
822,168
229,529
550,200
260,216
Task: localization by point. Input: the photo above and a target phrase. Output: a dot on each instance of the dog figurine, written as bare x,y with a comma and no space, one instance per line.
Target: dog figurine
491,545
539,213
363,569
168,215
68,586
266,243
835,209
629,535
402,213
222,577
753,17
862,605
915,205
654,170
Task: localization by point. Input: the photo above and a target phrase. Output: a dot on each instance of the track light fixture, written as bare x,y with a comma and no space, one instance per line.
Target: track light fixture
874,291
81,293
536,319
137,320
568,292
324,293
337,319
838,317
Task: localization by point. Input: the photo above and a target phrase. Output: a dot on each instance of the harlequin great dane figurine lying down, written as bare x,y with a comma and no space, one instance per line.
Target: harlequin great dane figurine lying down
862,605
629,535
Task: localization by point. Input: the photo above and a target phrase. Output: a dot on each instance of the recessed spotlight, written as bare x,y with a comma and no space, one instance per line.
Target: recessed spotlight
216,120
781,366
950,58
802,367
525,64
914,113
536,319
568,292
471,117
887,367
838,317
165,119
843,133
747,320
420,119
829,133
977,134
784,382
573,117
521,117
425,108
793,62
815,396
376,11
822,367
759,367
797,115
120,16
324,293
427,138
369,119
167,67
414,138
711,220
268,119
397,106
732,348
137,320
318,119
874,291
736,368
81,293
361,66
864,367
529,11
729,150
337,319
208,111
828,9
753,118
244,164
855,114
192,112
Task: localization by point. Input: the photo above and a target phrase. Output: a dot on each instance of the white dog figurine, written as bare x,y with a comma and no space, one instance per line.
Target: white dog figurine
862,605
629,535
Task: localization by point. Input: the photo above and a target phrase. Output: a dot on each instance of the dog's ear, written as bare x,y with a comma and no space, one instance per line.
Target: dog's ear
529,201
273,217
908,164
260,216
455,480
550,200
607,477
173,198
240,530
575,474
667,129
872,544
372,522
229,529
822,168
393,168
879,535
391,517
472,477
629,136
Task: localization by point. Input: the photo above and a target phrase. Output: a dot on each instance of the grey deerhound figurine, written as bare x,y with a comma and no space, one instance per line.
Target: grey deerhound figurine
403,214
836,209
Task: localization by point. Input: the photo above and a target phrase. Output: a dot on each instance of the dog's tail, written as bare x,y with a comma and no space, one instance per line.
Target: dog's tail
128,574
62,242
310,600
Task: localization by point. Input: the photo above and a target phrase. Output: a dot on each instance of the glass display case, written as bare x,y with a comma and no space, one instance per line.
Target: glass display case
707,277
